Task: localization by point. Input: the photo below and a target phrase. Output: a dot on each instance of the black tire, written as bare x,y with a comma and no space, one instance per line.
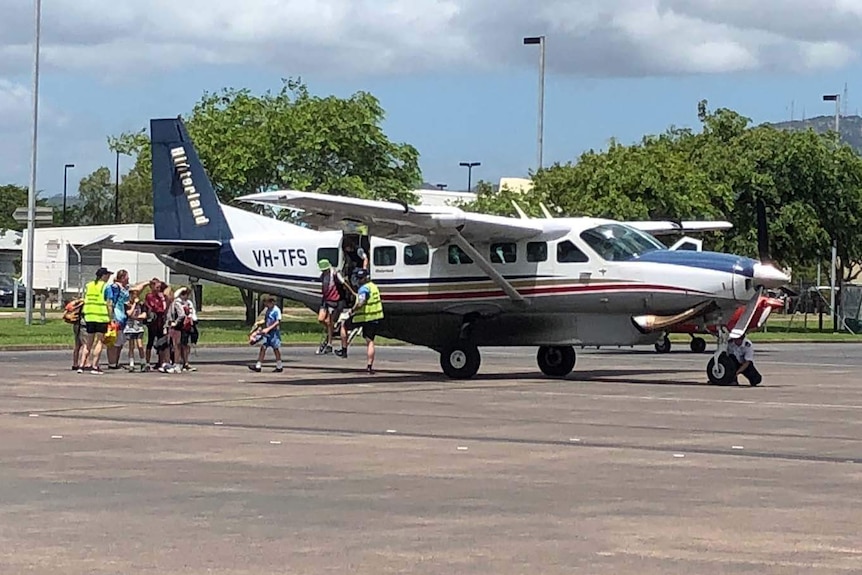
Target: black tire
460,361
722,372
663,345
557,360
698,345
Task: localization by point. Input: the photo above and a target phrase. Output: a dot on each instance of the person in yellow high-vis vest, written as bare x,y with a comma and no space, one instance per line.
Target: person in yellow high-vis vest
367,313
97,314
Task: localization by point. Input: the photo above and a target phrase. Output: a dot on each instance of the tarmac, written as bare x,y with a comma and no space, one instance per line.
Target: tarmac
630,465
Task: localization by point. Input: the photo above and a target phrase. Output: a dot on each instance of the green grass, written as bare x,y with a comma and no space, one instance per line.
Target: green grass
218,295
13,332
303,328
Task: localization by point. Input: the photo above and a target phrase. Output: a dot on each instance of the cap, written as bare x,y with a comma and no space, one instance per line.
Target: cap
103,272
324,265
361,273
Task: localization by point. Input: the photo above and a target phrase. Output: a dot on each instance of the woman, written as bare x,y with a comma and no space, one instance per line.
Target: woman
156,306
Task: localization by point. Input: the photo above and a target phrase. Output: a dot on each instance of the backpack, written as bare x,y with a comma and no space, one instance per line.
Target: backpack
72,311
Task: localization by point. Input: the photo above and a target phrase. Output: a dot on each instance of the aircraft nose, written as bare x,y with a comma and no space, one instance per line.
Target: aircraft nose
769,276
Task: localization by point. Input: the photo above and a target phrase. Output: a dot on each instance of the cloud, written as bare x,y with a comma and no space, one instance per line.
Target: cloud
363,37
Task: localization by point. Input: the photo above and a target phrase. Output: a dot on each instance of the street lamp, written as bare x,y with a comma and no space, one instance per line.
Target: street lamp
117,191
440,186
837,99
65,172
31,195
469,166
540,40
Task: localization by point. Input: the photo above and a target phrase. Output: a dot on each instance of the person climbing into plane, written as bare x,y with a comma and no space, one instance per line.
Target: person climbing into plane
335,292
355,259
741,351
367,313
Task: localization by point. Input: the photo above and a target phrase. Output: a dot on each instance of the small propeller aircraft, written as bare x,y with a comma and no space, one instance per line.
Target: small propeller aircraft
453,280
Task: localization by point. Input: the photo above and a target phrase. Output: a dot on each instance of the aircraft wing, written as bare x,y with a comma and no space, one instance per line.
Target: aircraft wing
397,221
658,228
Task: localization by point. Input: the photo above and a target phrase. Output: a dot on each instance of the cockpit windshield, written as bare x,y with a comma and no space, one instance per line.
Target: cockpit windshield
617,242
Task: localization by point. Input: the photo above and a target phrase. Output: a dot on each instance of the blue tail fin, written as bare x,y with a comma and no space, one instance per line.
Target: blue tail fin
185,205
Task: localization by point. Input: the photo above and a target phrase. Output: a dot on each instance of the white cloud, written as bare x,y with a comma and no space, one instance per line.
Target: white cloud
595,37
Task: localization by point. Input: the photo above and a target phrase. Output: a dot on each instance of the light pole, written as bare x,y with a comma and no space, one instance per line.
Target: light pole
31,195
540,40
117,192
470,166
837,99
65,172
440,186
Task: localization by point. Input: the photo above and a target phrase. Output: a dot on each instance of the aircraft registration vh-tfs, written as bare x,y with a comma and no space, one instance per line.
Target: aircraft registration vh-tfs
452,280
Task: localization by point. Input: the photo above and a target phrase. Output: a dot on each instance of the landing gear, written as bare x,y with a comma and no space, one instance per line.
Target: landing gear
698,344
556,361
663,345
720,371
460,360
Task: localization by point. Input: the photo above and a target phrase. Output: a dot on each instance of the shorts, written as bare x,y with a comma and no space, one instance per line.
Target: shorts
134,336
97,327
121,338
80,332
369,328
272,339
333,308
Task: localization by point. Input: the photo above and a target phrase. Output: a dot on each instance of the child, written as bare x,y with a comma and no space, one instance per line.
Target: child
271,336
134,330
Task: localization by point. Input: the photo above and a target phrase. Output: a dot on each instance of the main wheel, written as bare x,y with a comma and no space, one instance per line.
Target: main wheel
556,360
698,345
663,345
720,372
460,361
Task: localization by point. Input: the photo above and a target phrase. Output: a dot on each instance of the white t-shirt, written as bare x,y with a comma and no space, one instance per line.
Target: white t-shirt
743,351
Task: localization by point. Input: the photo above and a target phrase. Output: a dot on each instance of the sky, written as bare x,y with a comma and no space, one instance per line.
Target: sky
454,76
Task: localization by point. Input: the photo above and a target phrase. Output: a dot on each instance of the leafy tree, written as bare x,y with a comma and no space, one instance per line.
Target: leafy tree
96,193
12,197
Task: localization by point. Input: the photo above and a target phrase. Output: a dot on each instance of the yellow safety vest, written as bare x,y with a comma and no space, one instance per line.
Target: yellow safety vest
373,308
95,310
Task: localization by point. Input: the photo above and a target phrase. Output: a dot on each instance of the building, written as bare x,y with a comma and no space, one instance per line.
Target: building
10,252
443,198
62,259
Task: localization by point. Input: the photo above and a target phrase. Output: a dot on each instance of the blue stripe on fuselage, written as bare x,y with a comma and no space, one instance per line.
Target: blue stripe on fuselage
705,260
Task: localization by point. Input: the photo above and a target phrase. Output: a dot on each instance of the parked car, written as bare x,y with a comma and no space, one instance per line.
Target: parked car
7,292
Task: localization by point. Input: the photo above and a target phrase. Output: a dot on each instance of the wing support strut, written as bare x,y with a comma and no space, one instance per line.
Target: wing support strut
486,267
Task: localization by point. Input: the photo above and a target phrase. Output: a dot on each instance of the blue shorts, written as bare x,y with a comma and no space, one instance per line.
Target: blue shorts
272,339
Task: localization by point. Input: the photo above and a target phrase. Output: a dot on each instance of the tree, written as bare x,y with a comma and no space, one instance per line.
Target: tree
12,197
96,198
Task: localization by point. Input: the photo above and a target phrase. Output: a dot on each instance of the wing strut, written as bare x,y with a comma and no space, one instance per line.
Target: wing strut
486,267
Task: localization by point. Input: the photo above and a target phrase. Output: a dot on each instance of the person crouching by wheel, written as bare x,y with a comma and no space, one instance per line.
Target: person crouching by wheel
367,313
741,352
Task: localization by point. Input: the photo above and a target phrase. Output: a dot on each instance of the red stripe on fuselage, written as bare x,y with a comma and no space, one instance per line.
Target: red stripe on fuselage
556,290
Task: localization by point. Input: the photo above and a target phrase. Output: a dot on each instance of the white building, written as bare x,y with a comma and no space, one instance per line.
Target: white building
57,265
443,198
10,252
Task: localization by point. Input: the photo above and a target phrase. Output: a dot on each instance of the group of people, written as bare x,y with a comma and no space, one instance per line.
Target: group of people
112,314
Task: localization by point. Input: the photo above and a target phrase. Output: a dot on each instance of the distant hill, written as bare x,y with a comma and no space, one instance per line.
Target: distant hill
850,126
57,200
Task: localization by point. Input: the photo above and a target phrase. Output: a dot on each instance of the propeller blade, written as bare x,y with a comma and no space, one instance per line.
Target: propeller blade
762,233
744,321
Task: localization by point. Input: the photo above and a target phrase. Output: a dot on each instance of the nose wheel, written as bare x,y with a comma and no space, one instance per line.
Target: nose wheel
556,360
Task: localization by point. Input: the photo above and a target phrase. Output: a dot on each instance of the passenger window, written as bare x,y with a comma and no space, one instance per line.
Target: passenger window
458,256
416,255
537,251
330,254
568,253
504,253
385,256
